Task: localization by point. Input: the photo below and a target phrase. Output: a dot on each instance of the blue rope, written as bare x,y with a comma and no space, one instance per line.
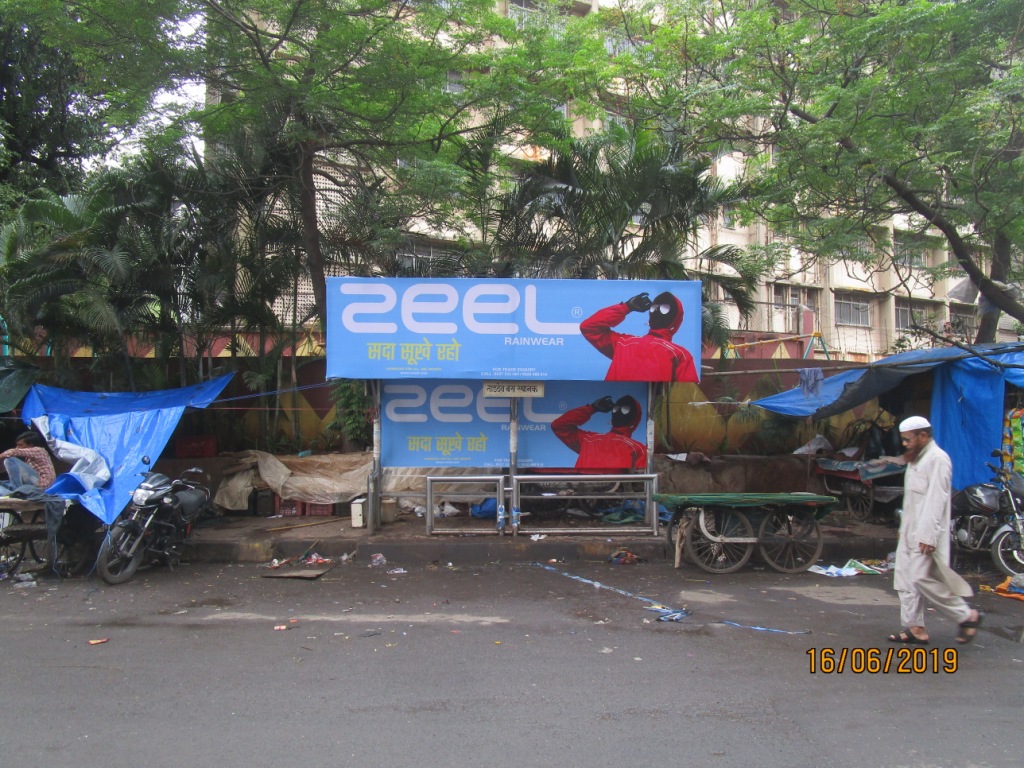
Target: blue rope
767,629
668,614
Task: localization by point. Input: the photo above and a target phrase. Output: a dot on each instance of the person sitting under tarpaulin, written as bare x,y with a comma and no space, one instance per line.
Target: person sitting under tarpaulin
28,463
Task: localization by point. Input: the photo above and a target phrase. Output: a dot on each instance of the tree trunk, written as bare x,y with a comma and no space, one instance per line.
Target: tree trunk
998,272
310,228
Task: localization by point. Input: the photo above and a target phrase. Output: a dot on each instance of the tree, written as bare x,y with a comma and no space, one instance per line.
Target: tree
864,112
49,122
625,204
363,84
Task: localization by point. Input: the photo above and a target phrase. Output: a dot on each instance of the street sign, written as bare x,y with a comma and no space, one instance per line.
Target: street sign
513,389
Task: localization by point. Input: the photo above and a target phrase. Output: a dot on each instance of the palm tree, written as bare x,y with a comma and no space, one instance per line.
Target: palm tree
68,278
626,204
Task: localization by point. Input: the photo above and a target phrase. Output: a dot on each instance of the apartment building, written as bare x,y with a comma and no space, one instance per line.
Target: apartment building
849,311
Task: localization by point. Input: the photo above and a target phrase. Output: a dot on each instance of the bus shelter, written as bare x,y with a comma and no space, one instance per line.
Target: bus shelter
516,387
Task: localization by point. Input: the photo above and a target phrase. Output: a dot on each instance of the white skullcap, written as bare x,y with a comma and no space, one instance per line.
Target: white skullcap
914,422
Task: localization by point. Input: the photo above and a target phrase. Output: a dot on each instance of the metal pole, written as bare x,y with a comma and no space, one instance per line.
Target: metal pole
373,494
513,462
650,508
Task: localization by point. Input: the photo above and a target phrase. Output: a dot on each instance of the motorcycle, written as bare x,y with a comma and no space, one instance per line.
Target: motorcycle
990,517
156,525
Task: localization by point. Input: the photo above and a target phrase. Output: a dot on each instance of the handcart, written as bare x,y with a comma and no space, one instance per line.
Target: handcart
715,531
17,537
856,483
23,534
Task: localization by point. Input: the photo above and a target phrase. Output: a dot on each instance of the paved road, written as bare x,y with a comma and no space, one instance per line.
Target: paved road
492,666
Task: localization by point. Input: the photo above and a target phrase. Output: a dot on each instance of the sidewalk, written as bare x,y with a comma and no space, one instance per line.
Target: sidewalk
252,539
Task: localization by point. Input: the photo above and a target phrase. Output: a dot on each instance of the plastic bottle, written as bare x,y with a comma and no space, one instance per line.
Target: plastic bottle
501,517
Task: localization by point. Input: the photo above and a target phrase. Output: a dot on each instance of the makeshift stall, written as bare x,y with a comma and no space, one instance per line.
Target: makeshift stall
856,482
529,389
104,437
967,402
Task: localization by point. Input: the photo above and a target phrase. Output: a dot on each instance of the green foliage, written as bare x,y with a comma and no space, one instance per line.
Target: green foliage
352,406
871,111
49,122
624,204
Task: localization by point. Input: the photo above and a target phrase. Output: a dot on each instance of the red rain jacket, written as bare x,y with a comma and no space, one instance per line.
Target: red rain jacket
614,450
652,357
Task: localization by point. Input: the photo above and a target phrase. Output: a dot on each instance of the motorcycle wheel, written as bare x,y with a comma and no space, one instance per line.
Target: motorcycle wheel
114,564
1008,553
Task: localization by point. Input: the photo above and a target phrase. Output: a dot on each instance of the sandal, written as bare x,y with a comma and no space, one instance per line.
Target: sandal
964,638
906,637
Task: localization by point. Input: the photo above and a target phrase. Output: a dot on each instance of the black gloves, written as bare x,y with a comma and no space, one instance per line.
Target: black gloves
639,303
604,405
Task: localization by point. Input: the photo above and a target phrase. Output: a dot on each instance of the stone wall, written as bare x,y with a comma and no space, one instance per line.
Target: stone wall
791,473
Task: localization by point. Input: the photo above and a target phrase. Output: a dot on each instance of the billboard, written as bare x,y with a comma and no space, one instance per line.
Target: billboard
561,330
447,423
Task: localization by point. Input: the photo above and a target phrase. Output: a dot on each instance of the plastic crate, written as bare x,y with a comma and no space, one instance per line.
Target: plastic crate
312,508
261,502
195,447
287,507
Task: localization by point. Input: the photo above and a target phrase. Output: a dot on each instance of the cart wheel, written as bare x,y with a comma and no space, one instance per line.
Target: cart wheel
41,550
11,554
73,559
720,557
676,537
860,500
790,540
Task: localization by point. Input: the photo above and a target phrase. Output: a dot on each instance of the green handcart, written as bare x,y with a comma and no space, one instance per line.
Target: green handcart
716,531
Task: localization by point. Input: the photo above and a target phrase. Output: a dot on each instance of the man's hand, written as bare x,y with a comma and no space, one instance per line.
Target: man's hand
925,549
639,303
604,405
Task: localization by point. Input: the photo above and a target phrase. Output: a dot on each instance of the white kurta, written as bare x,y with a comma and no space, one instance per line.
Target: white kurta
926,498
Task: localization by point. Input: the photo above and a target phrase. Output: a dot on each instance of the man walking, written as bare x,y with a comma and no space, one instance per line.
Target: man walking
922,553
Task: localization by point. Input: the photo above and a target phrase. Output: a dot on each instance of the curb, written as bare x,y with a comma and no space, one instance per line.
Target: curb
482,550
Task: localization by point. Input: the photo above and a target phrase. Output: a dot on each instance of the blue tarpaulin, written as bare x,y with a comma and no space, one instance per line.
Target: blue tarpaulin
795,403
967,406
120,427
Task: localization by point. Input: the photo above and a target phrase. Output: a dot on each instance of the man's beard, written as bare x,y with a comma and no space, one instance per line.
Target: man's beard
911,454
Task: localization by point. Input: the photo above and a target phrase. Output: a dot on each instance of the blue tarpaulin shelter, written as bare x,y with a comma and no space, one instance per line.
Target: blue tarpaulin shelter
118,427
967,405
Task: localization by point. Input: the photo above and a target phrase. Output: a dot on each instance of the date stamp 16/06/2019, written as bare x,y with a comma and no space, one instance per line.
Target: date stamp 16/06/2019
871,661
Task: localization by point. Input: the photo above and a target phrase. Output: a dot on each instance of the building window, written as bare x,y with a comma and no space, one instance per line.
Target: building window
904,315
909,250
426,259
613,122
454,83
963,322
728,217
859,248
524,12
789,303
852,309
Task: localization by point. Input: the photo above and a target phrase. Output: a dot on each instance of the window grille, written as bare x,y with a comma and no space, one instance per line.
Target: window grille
851,309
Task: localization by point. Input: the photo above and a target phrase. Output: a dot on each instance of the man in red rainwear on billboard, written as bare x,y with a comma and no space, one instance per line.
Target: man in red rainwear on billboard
614,450
652,357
